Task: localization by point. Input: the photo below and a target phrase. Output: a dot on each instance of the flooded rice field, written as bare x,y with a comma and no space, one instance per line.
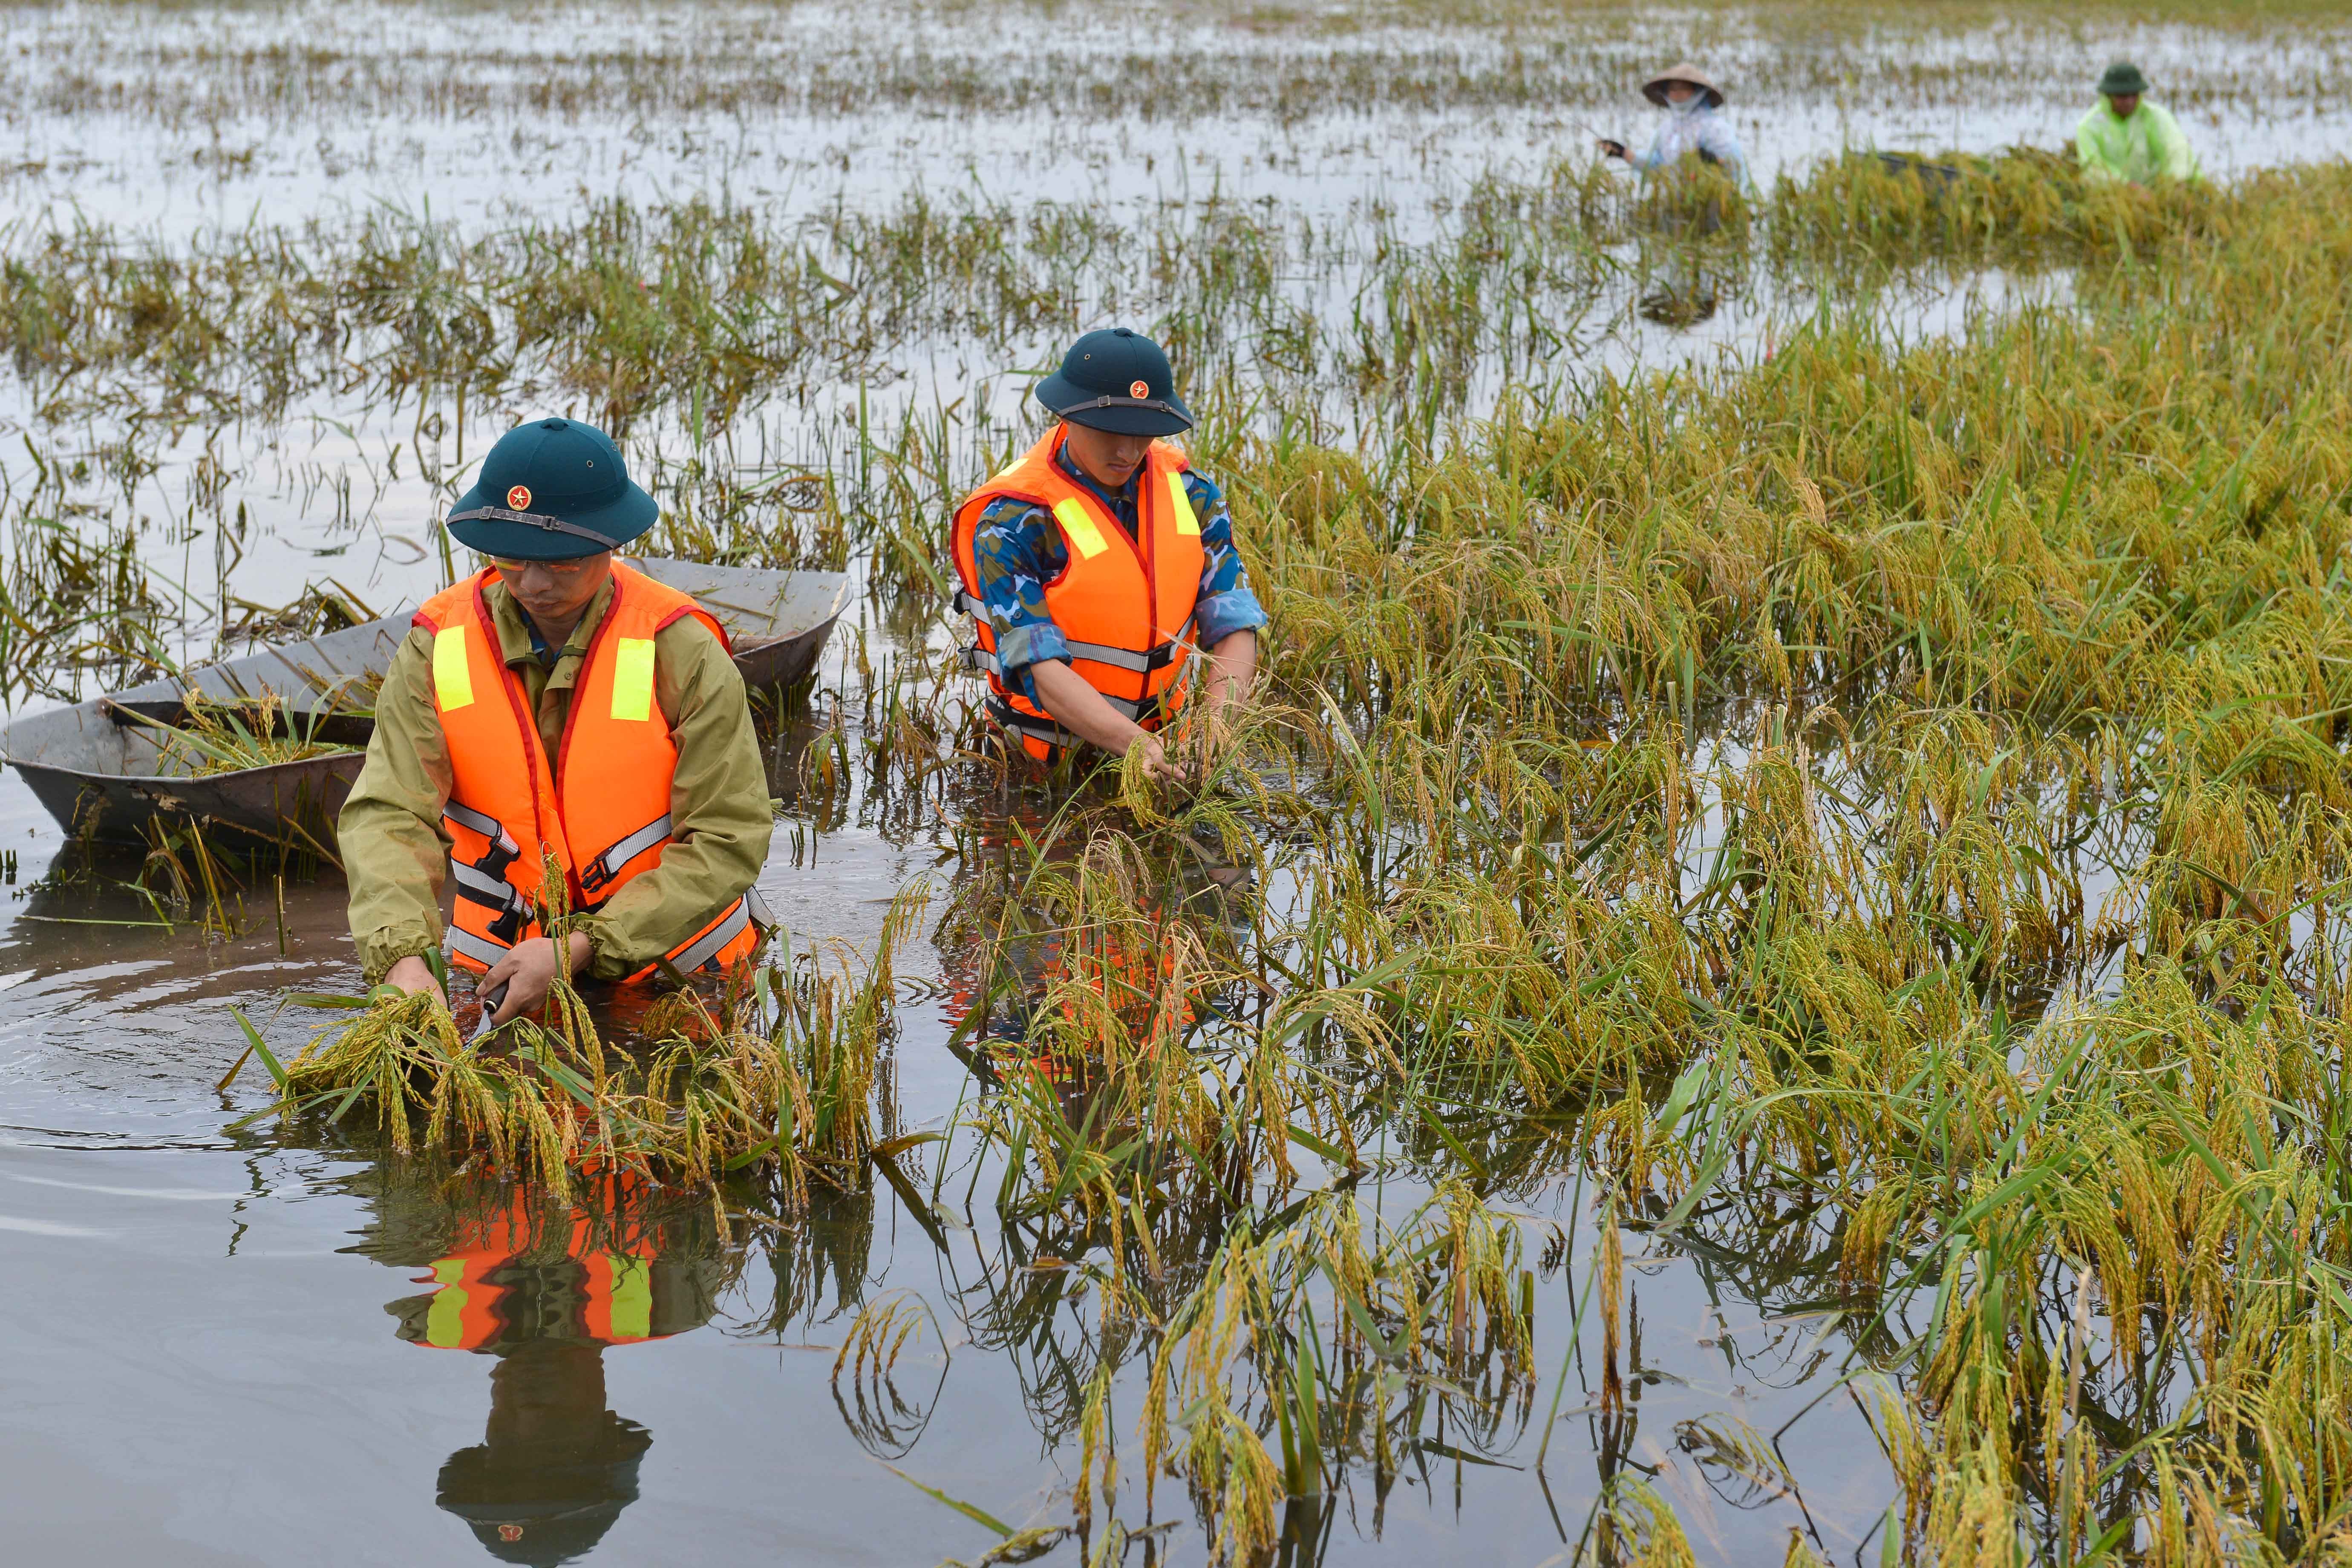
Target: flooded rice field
1762,984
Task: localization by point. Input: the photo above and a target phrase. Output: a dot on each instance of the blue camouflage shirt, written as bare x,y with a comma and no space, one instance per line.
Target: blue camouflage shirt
1017,549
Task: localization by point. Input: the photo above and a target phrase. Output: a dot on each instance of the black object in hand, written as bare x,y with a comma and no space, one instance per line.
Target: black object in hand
492,1000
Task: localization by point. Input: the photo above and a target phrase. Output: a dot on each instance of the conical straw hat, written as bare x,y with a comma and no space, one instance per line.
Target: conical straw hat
1654,89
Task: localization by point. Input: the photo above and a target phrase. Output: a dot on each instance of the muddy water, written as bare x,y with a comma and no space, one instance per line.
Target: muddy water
221,1341
225,1348
218,1353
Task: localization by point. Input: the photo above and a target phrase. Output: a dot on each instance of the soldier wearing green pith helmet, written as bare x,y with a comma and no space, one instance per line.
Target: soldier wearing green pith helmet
2129,139
557,712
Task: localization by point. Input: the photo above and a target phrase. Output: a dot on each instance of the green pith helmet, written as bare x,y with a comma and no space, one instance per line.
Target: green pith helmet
553,490
1116,380
2122,81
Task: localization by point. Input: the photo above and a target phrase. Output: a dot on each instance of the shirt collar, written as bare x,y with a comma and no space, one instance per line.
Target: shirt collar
1120,502
520,641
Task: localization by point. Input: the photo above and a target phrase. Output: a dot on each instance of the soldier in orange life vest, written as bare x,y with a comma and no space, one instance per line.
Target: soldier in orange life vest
1100,562
557,709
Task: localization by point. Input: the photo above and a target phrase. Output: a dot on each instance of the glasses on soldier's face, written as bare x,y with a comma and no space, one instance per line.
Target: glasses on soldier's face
560,568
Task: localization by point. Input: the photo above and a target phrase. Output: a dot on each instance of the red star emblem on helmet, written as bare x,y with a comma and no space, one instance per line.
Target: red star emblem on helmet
519,498
1140,389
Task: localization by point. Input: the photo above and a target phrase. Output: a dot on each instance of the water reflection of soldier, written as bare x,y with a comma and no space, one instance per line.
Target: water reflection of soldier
545,1289
1010,971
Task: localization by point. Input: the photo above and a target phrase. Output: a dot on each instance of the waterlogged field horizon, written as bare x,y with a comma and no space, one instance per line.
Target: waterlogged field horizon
1765,986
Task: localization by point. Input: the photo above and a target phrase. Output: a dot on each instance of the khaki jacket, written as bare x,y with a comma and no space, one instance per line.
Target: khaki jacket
395,853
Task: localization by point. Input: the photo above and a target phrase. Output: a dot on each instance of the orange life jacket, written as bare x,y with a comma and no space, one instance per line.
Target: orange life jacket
487,1291
1124,604
604,821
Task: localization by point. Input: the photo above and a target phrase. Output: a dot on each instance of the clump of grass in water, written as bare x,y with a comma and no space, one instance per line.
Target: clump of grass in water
2022,207
1765,737
1769,738
779,1071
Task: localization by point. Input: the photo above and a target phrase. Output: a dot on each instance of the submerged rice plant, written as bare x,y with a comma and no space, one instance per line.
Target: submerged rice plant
1869,816
779,1071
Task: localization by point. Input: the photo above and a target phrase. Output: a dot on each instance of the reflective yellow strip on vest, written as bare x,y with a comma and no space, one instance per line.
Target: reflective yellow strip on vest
632,1296
633,679
1071,513
453,681
444,1321
1182,504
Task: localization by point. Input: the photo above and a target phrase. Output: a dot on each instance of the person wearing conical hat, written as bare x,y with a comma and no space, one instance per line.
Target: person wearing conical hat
1099,567
1694,127
2124,139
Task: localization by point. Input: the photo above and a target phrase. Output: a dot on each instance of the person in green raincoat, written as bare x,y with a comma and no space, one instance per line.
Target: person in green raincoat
2130,140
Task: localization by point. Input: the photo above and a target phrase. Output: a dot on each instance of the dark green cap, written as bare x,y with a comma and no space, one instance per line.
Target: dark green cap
1116,380
554,490
2123,81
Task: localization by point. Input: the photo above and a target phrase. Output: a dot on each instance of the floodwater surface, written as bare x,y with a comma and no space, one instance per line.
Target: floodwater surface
234,1344
225,1357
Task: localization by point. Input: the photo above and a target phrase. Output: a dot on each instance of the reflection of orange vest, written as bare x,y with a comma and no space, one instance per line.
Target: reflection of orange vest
473,1282
605,821
1125,604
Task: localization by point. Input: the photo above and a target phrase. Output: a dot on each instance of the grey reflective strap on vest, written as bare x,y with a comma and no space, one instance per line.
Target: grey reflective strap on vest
1167,653
489,827
536,520
481,950
706,947
607,866
975,656
495,890
760,915
1103,653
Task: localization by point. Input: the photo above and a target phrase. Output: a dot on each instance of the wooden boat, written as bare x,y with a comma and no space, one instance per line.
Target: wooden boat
98,768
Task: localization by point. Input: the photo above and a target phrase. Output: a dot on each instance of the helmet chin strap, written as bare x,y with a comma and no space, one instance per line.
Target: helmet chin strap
536,520
1107,400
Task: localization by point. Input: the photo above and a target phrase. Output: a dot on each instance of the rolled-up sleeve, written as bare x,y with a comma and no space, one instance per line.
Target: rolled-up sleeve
390,830
720,818
1015,554
1226,604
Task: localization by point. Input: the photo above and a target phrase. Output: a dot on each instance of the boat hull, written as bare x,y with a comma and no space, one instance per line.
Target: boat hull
101,773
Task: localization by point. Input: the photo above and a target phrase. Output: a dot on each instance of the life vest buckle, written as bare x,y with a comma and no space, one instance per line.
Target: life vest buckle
600,873
506,928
